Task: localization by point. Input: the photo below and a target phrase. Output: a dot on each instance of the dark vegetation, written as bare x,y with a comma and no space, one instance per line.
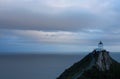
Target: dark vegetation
113,73
76,68
93,73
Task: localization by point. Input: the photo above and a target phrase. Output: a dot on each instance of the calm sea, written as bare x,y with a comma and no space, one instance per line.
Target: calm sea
38,66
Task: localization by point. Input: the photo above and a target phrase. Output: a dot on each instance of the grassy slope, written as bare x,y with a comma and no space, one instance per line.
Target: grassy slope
93,73
76,68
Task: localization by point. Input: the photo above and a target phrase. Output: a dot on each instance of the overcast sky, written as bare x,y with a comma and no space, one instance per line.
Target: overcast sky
59,25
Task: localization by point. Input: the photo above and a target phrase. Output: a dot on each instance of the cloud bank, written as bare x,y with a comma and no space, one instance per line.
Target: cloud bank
58,15
59,22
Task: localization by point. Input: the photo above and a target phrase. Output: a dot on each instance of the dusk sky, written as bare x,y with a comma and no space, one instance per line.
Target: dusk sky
59,25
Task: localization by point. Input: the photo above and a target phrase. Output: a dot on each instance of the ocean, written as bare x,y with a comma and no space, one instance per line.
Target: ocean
38,66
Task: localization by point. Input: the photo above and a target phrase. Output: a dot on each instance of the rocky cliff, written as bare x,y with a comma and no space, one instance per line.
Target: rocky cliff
103,60
95,65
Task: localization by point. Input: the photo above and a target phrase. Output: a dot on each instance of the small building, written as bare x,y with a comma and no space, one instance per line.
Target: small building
100,46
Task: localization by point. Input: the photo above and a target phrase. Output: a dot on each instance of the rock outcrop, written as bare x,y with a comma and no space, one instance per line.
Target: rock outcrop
103,60
94,64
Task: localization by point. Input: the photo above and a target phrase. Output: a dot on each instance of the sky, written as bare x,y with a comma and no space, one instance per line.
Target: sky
60,26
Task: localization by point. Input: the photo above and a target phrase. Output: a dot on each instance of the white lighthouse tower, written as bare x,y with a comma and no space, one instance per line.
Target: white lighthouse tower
100,46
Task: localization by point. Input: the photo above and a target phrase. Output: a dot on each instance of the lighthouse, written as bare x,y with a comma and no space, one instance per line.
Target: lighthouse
100,46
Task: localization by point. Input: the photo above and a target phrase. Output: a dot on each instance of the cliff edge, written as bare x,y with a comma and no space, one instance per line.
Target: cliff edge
95,65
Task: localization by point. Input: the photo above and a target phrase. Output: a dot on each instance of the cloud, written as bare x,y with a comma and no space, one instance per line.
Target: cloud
83,38
64,15
49,41
65,22
38,37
